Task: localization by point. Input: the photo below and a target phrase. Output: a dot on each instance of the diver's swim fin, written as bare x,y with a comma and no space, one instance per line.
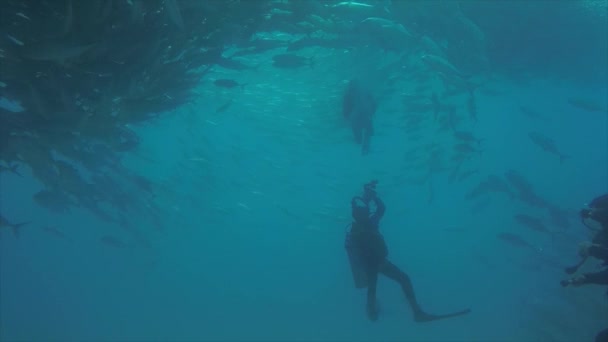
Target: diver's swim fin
424,317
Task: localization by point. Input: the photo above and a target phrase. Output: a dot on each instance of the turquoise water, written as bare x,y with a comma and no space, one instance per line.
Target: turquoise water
255,200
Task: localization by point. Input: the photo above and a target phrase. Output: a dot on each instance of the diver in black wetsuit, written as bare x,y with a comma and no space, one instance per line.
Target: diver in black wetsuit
595,217
366,243
358,106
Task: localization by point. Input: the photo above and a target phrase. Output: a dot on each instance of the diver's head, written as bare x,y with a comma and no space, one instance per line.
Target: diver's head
595,215
360,209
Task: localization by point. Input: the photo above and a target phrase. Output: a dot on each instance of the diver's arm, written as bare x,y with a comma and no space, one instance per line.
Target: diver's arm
600,278
380,209
348,101
599,252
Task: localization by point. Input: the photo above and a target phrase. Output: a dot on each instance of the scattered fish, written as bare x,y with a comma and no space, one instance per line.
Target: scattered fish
13,168
467,137
224,107
525,191
385,33
291,61
466,148
4,223
352,5
53,200
441,65
472,107
227,83
531,222
58,52
112,241
54,231
492,184
514,240
19,14
559,217
466,174
174,13
547,144
587,105
436,105
531,113
233,64
14,40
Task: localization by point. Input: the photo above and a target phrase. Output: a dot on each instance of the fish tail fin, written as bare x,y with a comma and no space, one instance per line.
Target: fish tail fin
311,61
16,228
563,157
14,169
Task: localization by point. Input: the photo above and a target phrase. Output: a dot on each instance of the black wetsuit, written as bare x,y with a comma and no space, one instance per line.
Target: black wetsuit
369,244
599,250
359,106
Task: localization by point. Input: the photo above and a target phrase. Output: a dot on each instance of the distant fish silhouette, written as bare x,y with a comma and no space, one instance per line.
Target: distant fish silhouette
514,240
4,223
54,231
112,241
531,222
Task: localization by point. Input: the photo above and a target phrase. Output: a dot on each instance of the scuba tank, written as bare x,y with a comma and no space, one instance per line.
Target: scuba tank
356,263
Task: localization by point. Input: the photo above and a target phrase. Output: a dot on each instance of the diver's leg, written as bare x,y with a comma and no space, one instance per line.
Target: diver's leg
602,336
366,140
372,305
357,132
393,272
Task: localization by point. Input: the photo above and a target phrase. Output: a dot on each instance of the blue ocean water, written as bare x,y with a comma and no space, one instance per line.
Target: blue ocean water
255,201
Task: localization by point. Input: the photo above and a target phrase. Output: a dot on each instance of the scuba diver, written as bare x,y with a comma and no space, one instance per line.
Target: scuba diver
594,217
358,106
368,253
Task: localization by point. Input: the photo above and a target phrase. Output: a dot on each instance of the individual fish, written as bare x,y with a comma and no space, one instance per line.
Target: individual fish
55,200
441,65
58,52
352,5
13,168
467,137
472,107
480,206
52,230
514,240
587,105
466,149
559,217
224,107
466,174
531,113
290,61
547,144
14,40
232,64
113,242
436,105
431,46
385,33
174,13
531,222
525,191
518,181
19,14
4,223
227,83
492,184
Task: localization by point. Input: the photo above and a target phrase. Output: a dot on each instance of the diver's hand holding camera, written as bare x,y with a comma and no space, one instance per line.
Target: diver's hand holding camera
369,191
